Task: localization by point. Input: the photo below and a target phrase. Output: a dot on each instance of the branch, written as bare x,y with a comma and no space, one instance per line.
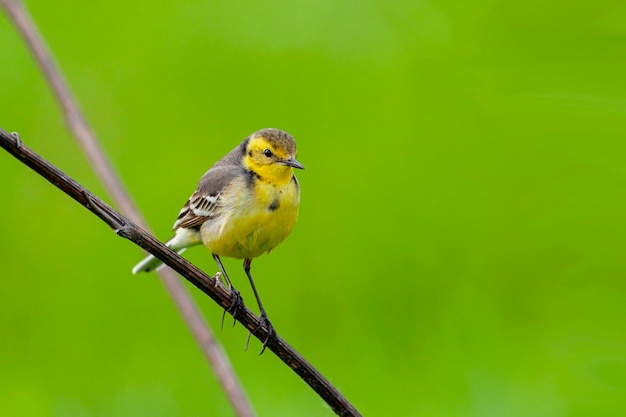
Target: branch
89,144
220,294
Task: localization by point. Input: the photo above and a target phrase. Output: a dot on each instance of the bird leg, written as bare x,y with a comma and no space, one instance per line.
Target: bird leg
237,302
263,320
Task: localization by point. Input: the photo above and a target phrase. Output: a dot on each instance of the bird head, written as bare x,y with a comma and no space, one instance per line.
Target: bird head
271,154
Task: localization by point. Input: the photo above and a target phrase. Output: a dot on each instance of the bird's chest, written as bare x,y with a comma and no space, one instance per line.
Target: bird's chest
273,199
273,212
262,219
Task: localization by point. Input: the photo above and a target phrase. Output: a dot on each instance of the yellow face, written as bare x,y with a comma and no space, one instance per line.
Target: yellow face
271,161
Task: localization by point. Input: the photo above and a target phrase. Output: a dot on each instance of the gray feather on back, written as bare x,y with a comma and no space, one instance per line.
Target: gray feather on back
204,203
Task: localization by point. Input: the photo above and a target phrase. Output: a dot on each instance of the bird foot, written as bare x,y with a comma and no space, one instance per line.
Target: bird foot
235,306
271,333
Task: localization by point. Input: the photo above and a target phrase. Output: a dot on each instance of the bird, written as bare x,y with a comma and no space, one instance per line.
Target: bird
245,205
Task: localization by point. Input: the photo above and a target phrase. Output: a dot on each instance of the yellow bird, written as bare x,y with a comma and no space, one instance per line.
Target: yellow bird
243,207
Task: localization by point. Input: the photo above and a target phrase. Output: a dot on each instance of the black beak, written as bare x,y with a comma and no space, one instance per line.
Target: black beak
291,162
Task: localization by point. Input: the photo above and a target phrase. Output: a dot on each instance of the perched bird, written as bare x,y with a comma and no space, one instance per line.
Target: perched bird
243,207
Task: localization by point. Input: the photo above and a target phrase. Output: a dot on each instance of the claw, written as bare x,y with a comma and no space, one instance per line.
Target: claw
271,333
236,304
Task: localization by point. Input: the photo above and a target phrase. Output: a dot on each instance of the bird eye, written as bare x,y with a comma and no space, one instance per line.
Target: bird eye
267,153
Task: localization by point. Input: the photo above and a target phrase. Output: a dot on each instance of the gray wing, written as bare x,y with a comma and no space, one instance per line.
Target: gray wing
204,203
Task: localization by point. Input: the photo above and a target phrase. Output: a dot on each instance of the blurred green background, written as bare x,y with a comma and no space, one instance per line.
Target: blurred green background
460,248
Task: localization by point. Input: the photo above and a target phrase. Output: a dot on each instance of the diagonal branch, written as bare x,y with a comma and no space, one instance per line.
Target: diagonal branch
206,284
86,138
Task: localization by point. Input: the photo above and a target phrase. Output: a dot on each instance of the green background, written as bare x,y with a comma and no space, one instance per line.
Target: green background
460,248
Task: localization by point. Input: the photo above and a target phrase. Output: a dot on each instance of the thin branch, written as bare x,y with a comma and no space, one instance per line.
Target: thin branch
89,144
203,282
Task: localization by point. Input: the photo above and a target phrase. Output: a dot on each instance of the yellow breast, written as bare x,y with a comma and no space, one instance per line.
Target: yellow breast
255,219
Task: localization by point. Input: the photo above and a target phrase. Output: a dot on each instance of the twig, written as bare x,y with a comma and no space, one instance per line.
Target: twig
206,284
87,140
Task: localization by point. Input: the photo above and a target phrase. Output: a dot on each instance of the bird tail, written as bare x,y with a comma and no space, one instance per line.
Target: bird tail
150,263
183,239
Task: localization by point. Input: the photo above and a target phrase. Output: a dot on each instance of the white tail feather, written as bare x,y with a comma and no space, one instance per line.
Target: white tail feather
151,263
184,238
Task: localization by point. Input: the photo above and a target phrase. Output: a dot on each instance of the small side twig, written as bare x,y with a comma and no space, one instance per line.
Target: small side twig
86,138
203,282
